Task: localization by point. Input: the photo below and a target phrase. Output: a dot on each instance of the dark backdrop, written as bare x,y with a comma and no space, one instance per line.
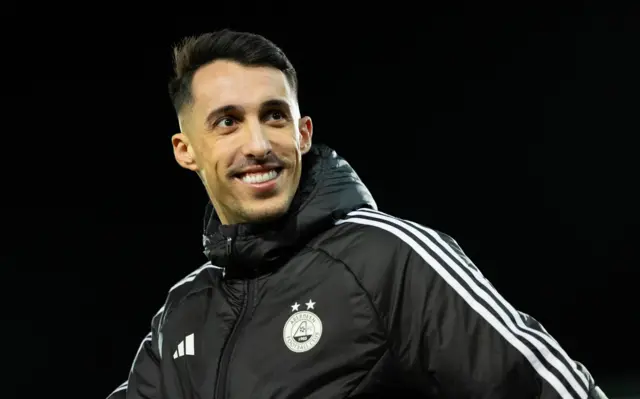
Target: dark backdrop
511,130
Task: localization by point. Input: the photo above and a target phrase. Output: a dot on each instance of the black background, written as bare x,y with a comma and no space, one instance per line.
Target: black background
513,130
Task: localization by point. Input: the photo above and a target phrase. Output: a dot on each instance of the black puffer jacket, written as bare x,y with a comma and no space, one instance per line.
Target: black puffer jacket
338,300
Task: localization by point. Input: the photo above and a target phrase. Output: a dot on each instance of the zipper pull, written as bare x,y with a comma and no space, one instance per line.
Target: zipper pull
229,246
228,250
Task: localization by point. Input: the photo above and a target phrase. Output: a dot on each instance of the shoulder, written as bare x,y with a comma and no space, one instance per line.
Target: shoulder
377,232
378,246
203,273
390,256
198,279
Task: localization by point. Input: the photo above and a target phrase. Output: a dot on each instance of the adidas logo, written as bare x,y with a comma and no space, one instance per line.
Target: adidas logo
185,347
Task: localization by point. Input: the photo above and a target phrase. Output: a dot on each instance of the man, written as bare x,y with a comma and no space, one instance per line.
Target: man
310,292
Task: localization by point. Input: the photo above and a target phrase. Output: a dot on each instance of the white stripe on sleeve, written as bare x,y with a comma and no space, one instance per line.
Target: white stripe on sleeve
445,266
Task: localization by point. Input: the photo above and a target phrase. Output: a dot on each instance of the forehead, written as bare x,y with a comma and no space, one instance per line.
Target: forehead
228,83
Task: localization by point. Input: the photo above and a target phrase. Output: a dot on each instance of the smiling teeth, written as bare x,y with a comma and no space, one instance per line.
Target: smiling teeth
253,178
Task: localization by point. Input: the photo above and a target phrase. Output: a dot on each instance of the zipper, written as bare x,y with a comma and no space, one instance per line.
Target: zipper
229,246
243,319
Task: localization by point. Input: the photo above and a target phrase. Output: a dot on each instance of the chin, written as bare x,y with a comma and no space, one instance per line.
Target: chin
266,210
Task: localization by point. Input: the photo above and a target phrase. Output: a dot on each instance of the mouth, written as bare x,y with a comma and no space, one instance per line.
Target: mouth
260,177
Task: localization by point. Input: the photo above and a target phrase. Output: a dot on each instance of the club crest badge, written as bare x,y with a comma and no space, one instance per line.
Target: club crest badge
303,329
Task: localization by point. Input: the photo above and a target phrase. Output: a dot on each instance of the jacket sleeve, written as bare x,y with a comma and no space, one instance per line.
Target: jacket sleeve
144,376
452,330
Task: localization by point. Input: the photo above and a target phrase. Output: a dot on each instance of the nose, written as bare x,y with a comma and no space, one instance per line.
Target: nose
257,144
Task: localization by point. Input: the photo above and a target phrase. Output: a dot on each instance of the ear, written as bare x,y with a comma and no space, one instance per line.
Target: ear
183,152
306,133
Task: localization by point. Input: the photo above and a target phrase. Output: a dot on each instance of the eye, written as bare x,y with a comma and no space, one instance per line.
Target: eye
277,116
226,122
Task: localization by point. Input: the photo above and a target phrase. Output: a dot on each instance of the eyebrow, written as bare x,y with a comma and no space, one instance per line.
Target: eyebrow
226,109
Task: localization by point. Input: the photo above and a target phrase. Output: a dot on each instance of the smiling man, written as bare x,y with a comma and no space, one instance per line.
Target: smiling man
309,291
243,134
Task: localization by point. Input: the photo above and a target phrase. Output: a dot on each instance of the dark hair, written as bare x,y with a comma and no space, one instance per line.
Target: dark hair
242,47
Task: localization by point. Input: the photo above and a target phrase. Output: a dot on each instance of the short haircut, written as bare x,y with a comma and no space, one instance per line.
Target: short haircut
245,48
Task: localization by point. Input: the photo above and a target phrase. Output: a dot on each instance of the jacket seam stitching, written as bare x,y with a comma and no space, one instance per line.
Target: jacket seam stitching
367,294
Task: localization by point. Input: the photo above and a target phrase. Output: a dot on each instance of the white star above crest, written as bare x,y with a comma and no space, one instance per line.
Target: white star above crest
310,304
294,307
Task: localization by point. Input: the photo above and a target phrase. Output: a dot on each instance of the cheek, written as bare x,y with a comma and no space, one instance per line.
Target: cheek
207,160
286,141
222,155
208,151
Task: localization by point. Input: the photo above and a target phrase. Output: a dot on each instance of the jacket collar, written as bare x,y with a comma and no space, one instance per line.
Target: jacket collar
329,189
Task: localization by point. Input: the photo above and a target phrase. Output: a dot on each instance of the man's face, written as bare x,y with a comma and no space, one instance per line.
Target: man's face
244,136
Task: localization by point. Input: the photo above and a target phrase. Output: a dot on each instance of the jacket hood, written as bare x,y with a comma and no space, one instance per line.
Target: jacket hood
329,189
